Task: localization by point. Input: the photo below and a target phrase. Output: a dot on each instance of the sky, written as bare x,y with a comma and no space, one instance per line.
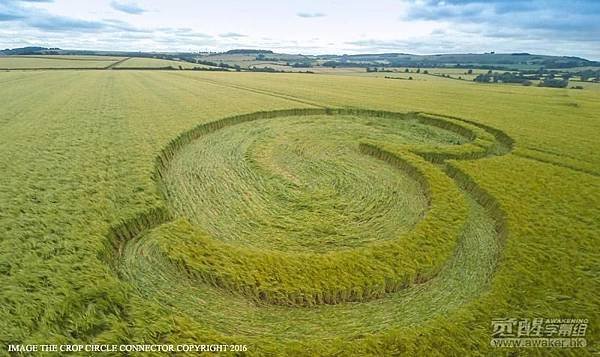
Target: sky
555,27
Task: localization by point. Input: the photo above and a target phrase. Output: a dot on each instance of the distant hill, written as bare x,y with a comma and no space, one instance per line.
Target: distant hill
491,60
484,60
247,51
32,50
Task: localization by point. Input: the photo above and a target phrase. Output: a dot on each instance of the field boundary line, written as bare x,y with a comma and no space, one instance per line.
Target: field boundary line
554,163
552,153
256,91
114,64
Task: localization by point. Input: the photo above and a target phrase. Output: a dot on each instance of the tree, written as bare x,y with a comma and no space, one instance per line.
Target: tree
332,64
554,83
482,78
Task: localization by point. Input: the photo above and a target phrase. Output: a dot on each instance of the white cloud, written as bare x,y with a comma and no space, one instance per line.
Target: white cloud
308,15
127,7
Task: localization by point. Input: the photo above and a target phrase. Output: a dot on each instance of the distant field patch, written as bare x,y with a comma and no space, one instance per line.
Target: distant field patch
138,62
56,62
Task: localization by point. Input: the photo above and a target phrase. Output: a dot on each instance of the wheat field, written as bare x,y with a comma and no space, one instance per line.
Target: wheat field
296,214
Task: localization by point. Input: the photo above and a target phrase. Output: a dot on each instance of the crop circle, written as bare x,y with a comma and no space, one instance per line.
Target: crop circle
300,182
437,261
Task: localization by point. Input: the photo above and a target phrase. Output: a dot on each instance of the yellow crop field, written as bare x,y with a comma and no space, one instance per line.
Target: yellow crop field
61,62
293,214
138,62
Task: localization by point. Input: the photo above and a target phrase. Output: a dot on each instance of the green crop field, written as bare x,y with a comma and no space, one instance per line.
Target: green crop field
294,214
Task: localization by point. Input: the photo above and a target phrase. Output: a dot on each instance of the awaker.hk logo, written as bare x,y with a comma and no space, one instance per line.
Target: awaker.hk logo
539,332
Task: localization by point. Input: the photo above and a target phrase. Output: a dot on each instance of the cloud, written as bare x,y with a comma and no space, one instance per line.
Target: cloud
535,26
60,23
10,10
403,46
9,17
40,19
534,13
118,25
127,7
309,15
232,35
447,11
183,32
544,20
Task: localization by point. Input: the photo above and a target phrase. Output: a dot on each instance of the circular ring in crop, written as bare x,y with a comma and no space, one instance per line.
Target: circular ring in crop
234,187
